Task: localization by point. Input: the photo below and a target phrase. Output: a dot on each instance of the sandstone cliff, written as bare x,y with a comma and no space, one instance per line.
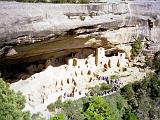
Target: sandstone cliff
33,31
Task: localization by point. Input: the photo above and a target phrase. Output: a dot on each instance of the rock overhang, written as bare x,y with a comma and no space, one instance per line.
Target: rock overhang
28,27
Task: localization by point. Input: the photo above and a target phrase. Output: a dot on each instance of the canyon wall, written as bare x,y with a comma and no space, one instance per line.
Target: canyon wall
34,31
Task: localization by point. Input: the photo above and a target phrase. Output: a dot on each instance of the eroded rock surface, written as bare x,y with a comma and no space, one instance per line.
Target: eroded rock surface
31,32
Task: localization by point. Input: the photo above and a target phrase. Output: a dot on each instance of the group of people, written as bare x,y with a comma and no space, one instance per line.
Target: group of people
116,84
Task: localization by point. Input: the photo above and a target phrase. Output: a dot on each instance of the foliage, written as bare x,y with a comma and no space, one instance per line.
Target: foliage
94,90
82,18
99,88
29,1
143,97
136,48
11,104
37,116
87,108
154,86
130,116
91,14
105,86
73,109
156,62
84,1
58,117
51,107
127,91
118,104
55,1
97,109
148,62
57,104
114,77
153,62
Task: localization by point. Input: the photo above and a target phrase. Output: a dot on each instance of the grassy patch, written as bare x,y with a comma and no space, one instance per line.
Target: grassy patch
114,77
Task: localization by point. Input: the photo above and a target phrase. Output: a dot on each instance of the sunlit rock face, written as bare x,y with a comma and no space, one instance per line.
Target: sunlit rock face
34,36
30,32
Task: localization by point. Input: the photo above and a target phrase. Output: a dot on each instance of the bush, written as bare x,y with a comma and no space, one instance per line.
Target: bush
114,77
37,116
55,1
51,107
58,117
57,104
105,86
130,116
91,14
94,90
11,104
156,62
118,104
28,1
82,18
136,48
148,62
83,1
153,62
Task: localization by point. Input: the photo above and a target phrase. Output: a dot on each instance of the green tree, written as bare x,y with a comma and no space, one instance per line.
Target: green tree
156,62
154,86
97,109
128,93
73,109
11,104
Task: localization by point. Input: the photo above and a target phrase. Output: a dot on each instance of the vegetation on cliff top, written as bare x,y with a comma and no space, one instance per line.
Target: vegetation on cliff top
54,1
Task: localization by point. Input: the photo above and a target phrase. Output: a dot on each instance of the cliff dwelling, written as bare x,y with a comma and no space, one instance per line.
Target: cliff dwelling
65,51
70,75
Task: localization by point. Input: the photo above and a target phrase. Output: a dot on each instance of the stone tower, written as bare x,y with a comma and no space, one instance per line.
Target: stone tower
100,56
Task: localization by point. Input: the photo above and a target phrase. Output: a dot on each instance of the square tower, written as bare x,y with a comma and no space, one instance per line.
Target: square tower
100,56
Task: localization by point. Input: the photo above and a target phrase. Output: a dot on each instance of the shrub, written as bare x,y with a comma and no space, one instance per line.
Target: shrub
136,48
72,109
148,62
11,104
94,90
105,86
91,14
156,62
29,1
114,77
82,18
83,1
37,116
130,116
43,1
57,104
58,117
51,107
57,1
